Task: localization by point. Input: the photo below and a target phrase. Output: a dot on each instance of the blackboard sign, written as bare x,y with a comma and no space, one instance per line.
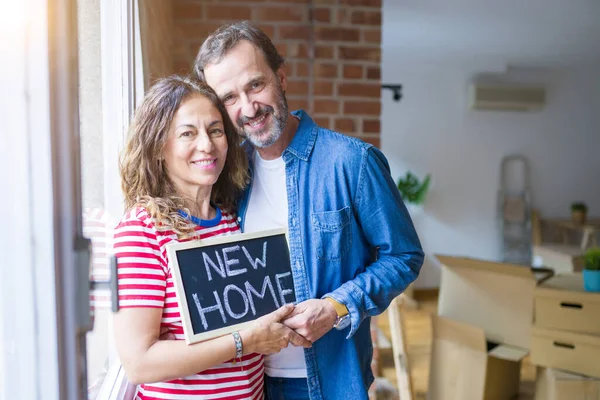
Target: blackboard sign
224,283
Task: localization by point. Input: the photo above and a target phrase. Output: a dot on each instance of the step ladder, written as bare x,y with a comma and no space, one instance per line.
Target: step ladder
515,210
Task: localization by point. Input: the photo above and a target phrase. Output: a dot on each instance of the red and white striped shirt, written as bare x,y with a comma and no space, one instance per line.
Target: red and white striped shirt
145,281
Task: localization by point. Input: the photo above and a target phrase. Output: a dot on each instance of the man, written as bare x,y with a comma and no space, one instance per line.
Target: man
337,198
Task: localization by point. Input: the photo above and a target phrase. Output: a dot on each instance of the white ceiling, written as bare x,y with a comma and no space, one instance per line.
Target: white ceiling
541,32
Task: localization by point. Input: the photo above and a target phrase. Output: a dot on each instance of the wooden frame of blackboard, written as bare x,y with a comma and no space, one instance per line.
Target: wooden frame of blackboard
174,247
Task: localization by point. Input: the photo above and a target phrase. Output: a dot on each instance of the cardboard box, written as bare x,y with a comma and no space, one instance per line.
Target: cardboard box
496,297
562,258
554,384
562,303
464,366
566,350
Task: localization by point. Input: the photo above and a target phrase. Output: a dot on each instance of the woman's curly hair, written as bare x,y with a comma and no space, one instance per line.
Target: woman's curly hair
144,179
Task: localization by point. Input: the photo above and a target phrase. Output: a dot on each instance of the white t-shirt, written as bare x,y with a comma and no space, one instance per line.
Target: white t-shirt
268,209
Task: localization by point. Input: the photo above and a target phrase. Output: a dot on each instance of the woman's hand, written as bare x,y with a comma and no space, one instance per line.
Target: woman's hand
268,335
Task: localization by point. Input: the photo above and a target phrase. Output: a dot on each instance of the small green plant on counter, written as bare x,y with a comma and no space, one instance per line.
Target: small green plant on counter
412,190
592,259
579,206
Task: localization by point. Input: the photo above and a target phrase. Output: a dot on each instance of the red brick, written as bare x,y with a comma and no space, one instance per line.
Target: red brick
288,68
324,1
183,10
372,36
228,12
337,34
301,69
276,14
297,50
366,17
324,51
269,30
323,88
362,107
197,31
301,32
344,125
297,104
360,53
292,1
372,3
374,140
371,126
343,16
353,71
281,48
326,106
321,15
297,88
359,90
325,70
322,121
374,73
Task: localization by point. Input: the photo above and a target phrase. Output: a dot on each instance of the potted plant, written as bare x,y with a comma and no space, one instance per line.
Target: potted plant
579,212
412,190
591,270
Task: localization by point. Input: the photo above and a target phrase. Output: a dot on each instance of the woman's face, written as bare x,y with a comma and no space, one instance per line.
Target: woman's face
196,146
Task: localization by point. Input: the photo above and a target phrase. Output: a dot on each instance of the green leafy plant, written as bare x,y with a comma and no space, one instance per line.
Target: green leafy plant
412,190
579,206
592,259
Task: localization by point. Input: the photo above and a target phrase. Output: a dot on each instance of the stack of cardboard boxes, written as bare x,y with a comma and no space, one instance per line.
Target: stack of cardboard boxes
482,330
485,327
566,340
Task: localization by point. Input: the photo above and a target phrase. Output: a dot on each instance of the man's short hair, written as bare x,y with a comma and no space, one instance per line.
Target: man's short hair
226,37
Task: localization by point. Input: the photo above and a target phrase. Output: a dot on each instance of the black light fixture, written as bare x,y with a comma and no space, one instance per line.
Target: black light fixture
396,89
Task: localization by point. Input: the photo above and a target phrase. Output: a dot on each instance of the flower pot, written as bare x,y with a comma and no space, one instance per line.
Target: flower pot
591,280
578,217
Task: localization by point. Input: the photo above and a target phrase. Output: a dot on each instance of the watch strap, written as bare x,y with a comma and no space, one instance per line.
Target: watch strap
340,309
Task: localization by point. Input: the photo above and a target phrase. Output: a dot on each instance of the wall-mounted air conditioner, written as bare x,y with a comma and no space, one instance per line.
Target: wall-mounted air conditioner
506,97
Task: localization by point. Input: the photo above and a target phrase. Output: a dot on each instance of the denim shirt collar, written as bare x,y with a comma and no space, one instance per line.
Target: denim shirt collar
304,140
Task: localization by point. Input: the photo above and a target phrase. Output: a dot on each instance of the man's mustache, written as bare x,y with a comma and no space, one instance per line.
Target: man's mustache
242,120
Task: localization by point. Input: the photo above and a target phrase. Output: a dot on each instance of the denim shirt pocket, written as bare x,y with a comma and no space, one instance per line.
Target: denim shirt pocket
332,233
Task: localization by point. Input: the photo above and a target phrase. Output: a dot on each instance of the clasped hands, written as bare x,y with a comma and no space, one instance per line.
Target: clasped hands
300,325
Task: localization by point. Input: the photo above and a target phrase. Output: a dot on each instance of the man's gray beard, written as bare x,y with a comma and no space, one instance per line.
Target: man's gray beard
280,117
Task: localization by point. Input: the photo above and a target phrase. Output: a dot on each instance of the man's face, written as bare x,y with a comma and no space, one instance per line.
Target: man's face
251,92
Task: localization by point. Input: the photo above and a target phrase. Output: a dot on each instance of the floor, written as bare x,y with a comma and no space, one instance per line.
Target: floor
418,338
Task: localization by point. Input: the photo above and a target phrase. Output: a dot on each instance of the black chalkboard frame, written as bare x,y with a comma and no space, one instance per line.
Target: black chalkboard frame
184,307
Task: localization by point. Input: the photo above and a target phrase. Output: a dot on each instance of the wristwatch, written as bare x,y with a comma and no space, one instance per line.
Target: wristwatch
343,317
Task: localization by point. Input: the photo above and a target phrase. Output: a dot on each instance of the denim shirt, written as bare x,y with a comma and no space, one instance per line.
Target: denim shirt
342,205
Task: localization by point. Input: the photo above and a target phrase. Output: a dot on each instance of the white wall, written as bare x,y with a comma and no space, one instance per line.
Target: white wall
432,131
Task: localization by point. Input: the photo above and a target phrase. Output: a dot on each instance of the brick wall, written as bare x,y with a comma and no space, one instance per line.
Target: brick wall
332,48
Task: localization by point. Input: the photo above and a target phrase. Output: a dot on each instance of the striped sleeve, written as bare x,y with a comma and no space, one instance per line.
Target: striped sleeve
141,275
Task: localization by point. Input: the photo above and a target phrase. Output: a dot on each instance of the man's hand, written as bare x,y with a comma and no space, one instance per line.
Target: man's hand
312,318
269,335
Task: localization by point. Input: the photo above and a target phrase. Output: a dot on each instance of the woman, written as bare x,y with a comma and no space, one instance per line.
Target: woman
181,171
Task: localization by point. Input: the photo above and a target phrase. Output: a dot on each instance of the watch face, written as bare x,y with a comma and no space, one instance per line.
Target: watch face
342,323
